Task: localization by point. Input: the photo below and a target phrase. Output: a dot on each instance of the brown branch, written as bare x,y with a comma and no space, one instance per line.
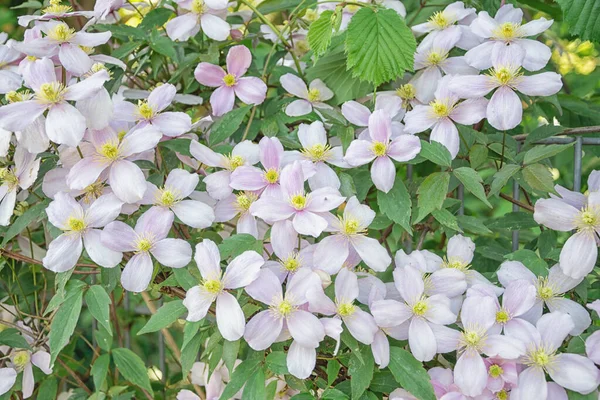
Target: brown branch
74,376
21,257
517,202
570,131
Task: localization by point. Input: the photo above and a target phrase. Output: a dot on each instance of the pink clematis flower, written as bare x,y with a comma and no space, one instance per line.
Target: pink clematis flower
109,153
350,232
441,114
250,89
382,149
441,22
359,323
241,272
63,41
542,341
238,205
310,97
149,112
148,237
21,176
179,185
64,123
505,111
208,14
573,211
358,114
266,180
10,79
416,310
505,31
549,291
501,374
304,208
24,360
80,228
285,312
217,183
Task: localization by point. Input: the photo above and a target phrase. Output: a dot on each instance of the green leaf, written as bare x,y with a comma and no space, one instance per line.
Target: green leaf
583,17
12,338
271,6
276,362
35,213
379,45
473,224
28,4
539,153
164,316
501,178
48,389
446,218
98,303
319,33
235,245
410,374
352,344
64,322
396,204
132,368
472,182
155,18
543,132
361,371
178,145
100,370
334,394
163,45
255,387
432,193
224,127
514,221
189,352
478,155
240,376
126,49
531,260
578,396
230,353
436,152
539,177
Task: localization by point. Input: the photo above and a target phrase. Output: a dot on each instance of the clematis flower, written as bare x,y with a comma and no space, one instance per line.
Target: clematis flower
33,138
149,112
24,360
501,373
440,22
208,14
358,114
433,61
542,341
571,212
21,176
285,312
80,228
592,347
10,79
550,291
304,208
148,238
266,180
505,111
63,41
249,89
350,232
317,151
310,97
179,185
126,179
240,272
441,114
359,323
64,123
505,31
382,149
238,205
478,315
54,10
295,260
217,183
416,310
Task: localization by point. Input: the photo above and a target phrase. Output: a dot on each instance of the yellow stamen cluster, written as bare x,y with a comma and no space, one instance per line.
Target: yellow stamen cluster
545,290
317,152
471,339
213,286
440,109
455,263
406,92
235,162
51,93
61,33
145,110
439,20
346,309
505,76
229,80
495,370
143,245
298,201
540,357
588,219
507,31
420,308
284,308
166,197
502,395
244,201
92,192
198,7
292,263
351,226
435,57
271,175
56,8
379,148
314,95
502,316
75,224
9,178
15,97
20,359
110,150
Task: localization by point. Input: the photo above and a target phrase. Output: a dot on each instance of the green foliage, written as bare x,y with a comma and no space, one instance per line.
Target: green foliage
396,204
473,183
164,316
64,322
98,303
227,125
410,374
132,367
361,371
237,244
432,193
583,17
320,32
12,337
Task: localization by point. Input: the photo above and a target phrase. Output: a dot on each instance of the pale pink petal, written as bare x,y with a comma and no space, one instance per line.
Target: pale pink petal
65,124
243,270
88,87
194,213
251,90
182,27
362,326
118,236
104,210
283,238
579,315
222,100
575,372
248,177
331,252
301,360
18,116
63,253
381,349
262,330
197,301
209,74
265,288
28,384
127,181
421,340
383,173
271,209
470,374
537,54
174,253
230,317
309,223
173,123
471,86
214,27
380,126
404,148
294,85
41,359
389,313
305,328
238,60
356,113
208,260
137,273
544,84
579,254
470,111
532,384
554,328
298,107
74,59
100,254
359,153
445,132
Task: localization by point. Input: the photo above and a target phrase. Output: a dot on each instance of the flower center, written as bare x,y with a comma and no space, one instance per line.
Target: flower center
420,308
56,8
379,148
588,219
167,198
76,224
298,201
20,359
61,33
235,161
346,309
285,308
434,57
271,175
471,339
440,109
145,110
213,286
540,357
439,20
291,264
505,75
455,263
244,201
506,31
406,92
110,151
15,97
51,93
92,192
502,395
198,7
317,152
229,80
9,178
351,226
495,370
314,95
502,316
143,245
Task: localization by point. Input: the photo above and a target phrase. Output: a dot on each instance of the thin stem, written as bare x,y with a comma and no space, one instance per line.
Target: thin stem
517,202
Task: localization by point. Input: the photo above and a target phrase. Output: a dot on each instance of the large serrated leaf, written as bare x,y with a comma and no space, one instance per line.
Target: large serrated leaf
583,17
320,32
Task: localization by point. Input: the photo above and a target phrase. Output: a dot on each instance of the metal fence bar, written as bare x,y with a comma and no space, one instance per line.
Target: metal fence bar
577,163
567,140
126,327
516,195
